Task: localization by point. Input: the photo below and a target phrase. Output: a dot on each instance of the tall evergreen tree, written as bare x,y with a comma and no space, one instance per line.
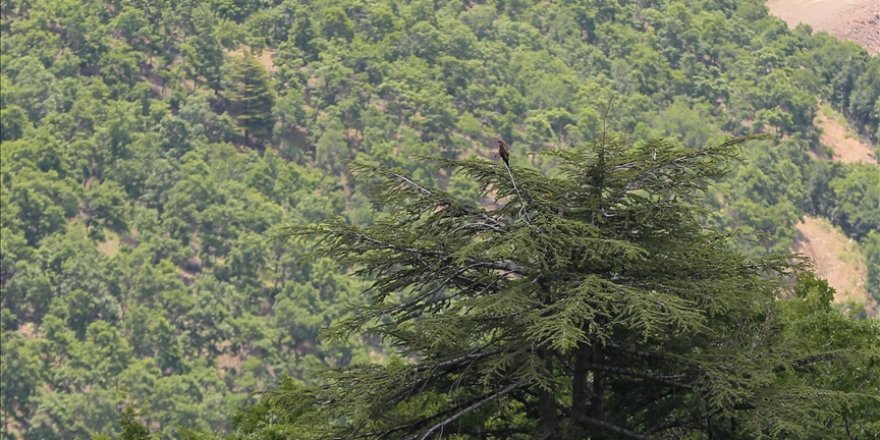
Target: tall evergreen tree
247,88
592,303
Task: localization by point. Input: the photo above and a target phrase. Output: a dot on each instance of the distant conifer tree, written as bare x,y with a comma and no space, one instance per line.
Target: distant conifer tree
247,88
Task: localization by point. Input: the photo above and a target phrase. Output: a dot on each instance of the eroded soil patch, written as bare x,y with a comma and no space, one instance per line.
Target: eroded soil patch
836,258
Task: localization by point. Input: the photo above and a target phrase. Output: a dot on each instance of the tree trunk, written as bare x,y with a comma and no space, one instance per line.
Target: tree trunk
597,400
579,392
549,421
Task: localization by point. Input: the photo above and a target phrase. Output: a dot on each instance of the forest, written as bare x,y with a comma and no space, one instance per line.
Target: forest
188,189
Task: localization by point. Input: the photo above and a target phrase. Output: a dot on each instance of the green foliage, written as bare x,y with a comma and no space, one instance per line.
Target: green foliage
203,50
247,88
134,212
872,255
857,196
591,300
838,344
131,428
13,121
20,376
864,101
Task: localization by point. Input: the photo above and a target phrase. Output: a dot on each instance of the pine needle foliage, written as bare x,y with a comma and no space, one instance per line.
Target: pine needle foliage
591,303
246,86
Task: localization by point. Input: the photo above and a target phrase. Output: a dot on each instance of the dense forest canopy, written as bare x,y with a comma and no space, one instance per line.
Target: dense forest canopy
151,150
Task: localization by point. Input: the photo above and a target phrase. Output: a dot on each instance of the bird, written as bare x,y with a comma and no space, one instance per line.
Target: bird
503,152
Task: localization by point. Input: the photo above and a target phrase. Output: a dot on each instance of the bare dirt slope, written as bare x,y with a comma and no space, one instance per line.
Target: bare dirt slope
848,148
855,20
836,258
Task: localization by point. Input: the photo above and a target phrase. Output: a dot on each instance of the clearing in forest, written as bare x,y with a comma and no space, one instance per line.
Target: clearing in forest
848,148
837,258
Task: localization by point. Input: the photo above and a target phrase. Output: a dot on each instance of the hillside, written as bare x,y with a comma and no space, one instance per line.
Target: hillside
857,21
845,144
838,259
152,151
854,20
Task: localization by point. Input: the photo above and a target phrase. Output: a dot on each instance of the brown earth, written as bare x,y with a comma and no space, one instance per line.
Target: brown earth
854,20
110,246
836,258
847,147
230,362
265,58
28,330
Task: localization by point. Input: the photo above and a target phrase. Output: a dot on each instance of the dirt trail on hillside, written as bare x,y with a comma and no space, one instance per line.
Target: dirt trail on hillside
854,20
836,258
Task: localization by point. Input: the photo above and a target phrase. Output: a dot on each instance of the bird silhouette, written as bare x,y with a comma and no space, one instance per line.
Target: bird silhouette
503,152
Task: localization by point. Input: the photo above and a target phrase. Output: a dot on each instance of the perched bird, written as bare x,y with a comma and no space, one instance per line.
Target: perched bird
502,151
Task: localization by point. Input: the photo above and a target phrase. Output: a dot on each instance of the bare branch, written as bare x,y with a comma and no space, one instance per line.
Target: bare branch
667,380
487,399
470,357
523,213
413,183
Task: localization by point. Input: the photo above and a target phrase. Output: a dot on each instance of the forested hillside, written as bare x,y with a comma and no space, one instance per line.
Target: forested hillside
151,150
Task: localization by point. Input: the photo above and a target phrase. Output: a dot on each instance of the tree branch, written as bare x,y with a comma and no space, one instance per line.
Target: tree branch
680,422
501,264
523,213
458,361
668,380
638,405
430,193
613,428
473,407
